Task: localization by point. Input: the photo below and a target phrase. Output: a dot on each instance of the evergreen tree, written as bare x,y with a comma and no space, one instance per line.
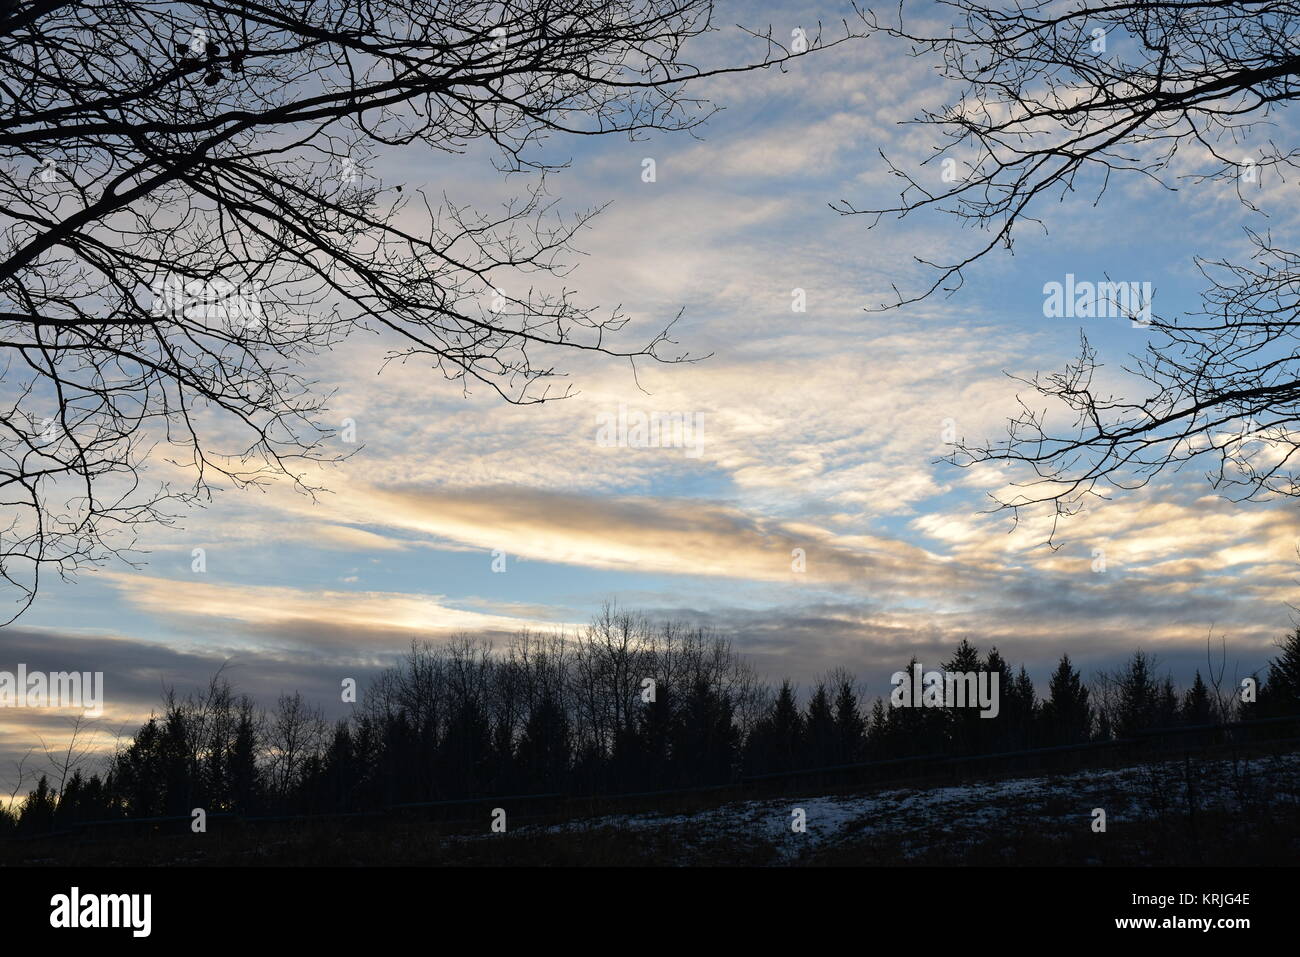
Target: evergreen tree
964,729
1137,705
850,728
879,742
545,746
777,741
340,772
916,730
1167,713
179,765
1280,694
95,802
995,663
706,740
245,785
1104,730
965,658
998,734
464,758
1066,714
36,816
1022,712
1196,703
820,730
69,809
655,726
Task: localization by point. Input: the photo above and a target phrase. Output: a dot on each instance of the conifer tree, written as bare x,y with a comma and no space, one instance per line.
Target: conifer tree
850,727
820,729
1167,713
1022,711
1196,703
879,739
1138,693
1280,694
964,732
1067,714
787,728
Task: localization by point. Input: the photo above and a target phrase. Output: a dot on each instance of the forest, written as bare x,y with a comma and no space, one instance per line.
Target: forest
575,715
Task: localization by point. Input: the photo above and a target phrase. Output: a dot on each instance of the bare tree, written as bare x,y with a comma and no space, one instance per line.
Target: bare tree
295,734
1224,698
20,776
65,761
189,214
1058,98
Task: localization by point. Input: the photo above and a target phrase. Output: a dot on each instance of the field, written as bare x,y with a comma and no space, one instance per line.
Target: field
1221,810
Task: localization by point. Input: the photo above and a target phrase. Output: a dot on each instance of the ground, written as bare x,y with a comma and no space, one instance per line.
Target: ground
1225,810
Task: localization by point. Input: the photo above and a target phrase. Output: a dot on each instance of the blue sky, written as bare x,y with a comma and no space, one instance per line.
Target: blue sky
821,431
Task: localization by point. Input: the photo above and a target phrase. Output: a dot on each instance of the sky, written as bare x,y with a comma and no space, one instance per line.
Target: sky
821,431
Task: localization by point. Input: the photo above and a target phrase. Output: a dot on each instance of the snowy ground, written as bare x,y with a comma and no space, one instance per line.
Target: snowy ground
919,817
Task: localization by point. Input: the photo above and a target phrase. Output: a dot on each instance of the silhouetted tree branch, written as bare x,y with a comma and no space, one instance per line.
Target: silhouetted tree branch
1062,97
188,217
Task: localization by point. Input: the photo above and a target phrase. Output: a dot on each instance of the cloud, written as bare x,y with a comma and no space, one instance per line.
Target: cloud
137,675
278,617
821,431
888,595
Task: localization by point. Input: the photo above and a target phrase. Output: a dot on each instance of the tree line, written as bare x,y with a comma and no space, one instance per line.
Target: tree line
623,707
